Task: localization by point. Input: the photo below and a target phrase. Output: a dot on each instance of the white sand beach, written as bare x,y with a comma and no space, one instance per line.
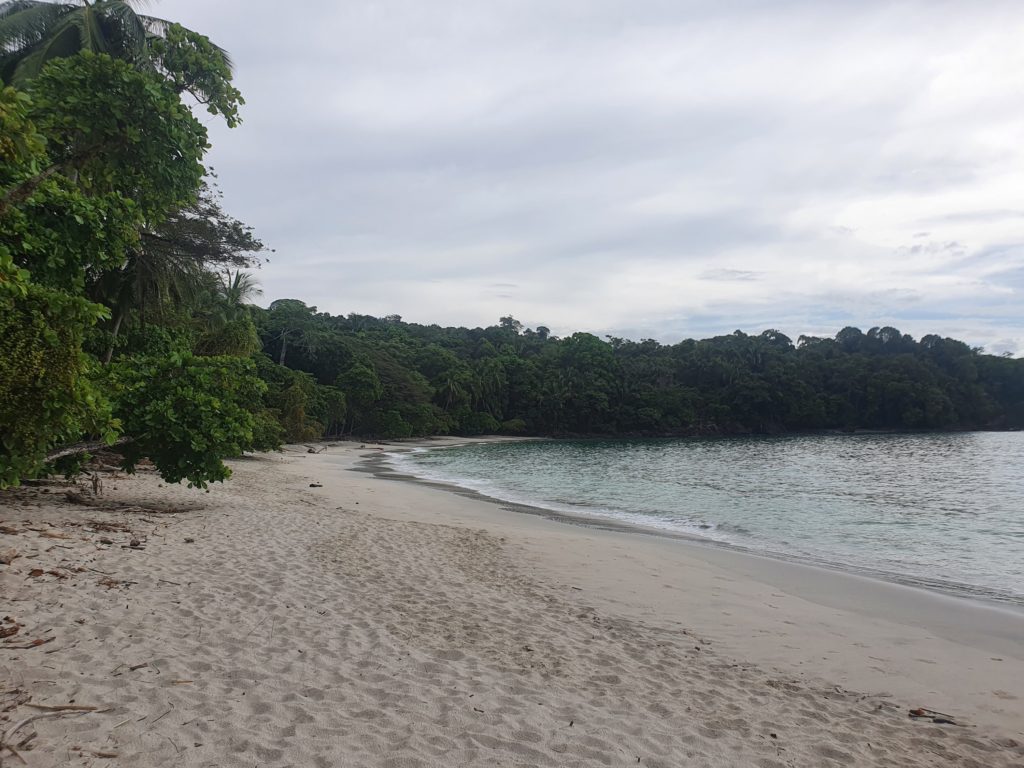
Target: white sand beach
373,622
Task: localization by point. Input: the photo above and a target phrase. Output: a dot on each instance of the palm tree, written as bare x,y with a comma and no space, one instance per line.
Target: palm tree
236,290
228,325
32,32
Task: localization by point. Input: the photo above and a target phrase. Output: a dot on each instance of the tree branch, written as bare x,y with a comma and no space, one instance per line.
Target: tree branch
77,448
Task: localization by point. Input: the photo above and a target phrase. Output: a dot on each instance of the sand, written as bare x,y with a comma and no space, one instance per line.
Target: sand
371,622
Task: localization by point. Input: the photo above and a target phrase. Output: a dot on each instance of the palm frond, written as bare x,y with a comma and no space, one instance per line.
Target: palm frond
24,23
129,27
65,40
93,38
158,27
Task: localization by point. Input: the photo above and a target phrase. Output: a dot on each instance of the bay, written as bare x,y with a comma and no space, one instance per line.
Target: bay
943,511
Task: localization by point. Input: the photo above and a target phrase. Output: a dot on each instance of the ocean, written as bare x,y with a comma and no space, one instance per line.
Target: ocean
941,511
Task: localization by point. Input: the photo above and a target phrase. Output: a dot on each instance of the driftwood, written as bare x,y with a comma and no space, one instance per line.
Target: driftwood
77,448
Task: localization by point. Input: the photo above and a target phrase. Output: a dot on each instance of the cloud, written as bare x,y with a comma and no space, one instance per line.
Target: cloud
659,168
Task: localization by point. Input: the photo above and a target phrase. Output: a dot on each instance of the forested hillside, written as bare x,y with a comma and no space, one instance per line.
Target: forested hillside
370,376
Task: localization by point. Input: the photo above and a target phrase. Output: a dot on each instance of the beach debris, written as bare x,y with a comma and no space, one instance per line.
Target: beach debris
94,753
13,698
35,573
111,583
102,526
189,540
9,530
6,737
105,540
316,485
51,533
939,718
34,644
7,556
8,627
63,708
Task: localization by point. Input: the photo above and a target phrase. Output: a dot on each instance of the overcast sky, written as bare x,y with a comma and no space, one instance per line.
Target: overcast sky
642,168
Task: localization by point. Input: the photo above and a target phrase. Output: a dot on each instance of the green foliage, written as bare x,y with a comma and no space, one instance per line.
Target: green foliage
390,424
335,408
97,151
233,337
120,130
187,413
192,64
295,400
34,33
46,395
477,423
21,144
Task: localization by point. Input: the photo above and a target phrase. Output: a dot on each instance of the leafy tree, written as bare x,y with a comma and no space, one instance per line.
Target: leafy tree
93,152
34,33
291,322
47,395
187,413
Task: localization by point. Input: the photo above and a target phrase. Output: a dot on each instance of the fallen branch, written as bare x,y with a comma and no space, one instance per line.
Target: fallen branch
63,708
34,644
5,738
77,448
14,752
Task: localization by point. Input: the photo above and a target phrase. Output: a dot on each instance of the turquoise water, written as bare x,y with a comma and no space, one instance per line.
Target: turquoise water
939,510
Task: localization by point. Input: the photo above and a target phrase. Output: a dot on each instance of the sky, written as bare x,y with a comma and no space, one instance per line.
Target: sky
658,169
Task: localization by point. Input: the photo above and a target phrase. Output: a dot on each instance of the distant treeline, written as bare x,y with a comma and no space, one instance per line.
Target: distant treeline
370,376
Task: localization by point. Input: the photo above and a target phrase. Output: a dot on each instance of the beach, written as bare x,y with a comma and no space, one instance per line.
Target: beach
303,614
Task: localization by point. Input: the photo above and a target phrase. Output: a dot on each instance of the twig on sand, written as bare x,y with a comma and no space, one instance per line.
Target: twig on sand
63,708
5,738
260,623
34,644
165,714
14,752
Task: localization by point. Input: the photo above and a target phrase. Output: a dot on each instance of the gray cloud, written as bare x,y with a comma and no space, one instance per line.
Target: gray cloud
653,168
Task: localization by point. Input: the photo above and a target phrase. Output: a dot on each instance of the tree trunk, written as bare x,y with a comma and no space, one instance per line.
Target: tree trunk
117,327
284,345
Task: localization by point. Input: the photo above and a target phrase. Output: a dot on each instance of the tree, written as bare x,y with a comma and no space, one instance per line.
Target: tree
362,388
171,262
91,153
290,321
47,393
33,33
187,413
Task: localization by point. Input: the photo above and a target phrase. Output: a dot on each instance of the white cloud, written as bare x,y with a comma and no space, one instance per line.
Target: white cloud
623,163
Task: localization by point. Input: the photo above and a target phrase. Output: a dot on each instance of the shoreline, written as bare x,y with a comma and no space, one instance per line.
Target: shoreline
967,640
305,614
379,466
